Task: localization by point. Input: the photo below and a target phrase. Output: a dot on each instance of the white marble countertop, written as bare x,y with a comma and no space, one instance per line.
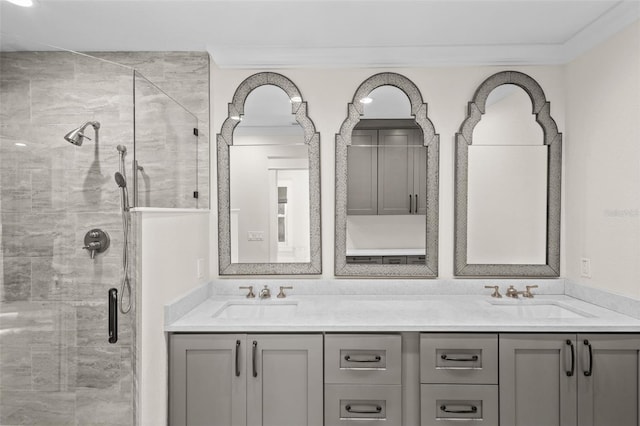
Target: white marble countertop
398,313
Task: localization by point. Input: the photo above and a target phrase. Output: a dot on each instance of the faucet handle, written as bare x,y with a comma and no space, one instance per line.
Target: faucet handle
281,295
496,290
527,292
249,295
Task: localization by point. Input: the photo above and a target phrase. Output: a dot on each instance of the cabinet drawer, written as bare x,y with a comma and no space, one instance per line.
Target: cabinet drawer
365,260
362,358
362,405
459,358
394,260
443,405
415,260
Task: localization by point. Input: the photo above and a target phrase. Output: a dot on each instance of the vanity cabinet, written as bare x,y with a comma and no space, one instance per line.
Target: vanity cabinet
569,379
246,379
363,379
459,378
387,173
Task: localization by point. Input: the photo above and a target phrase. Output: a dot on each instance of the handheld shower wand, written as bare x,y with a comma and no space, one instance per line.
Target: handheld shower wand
121,181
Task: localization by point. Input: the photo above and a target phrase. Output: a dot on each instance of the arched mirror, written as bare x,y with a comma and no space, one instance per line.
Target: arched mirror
268,181
387,183
508,170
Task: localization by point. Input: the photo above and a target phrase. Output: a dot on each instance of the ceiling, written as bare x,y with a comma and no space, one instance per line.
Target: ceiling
270,34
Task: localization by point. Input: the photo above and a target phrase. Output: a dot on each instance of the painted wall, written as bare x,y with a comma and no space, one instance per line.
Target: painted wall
446,90
171,244
602,150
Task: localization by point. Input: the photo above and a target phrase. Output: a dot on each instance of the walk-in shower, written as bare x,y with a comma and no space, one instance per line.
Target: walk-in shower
77,136
57,364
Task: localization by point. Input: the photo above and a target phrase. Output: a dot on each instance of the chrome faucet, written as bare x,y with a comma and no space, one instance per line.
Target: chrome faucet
513,293
265,293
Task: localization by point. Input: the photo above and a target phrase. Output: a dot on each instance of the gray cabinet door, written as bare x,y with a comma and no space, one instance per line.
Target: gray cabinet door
207,380
284,383
608,380
395,171
362,167
537,382
420,174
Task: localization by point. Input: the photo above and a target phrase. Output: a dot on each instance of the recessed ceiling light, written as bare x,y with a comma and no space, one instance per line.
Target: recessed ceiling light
23,3
366,100
20,144
296,99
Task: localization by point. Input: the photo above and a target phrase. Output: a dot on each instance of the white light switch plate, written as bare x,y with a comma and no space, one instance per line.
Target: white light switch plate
255,235
585,267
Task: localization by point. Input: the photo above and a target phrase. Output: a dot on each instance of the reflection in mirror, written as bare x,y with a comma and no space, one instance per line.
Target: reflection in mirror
272,203
507,187
269,156
507,182
386,229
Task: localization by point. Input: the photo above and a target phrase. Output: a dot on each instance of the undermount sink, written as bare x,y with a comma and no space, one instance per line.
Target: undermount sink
257,309
541,309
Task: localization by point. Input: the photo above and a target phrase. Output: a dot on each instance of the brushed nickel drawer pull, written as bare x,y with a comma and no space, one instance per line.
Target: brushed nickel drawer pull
472,409
376,409
470,359
375,358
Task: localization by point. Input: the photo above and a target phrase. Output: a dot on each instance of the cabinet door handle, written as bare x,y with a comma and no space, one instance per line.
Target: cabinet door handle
590,370
362,409
254,353
472,409
237,358
374,358
470,359
415,209
410,204
573,359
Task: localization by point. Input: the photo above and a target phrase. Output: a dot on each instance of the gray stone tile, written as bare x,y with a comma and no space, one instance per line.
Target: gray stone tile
103,408
192,93
98,367
54,278
15,97
50,369
37,324
16,279
15,368
36,234
93,325
186,66
37,66
150,64
37,408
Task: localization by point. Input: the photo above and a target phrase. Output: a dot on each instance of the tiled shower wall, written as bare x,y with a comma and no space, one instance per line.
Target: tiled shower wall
56,366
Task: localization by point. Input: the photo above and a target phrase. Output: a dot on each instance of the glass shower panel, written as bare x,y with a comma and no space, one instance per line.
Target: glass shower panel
56,365
166,151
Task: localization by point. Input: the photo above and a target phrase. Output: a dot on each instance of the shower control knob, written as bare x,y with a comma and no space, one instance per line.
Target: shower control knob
96,241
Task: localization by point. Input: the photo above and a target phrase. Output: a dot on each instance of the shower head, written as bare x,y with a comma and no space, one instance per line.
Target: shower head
120,180
121,148
76,136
